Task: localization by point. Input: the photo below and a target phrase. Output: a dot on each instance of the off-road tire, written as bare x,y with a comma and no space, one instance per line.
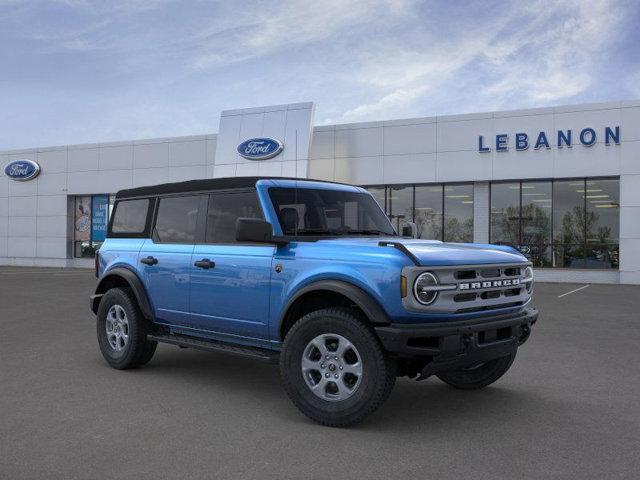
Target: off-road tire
138,350
480,377
379,371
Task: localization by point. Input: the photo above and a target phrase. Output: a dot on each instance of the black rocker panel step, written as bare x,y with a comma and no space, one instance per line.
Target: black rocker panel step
216,346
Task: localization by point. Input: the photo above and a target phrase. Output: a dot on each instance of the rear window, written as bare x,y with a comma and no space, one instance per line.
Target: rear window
176,220
130,216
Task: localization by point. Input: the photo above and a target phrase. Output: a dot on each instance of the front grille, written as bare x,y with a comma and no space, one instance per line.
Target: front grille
473,288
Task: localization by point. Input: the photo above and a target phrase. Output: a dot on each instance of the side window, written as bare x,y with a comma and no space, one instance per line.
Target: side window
130,216
176,219
225,209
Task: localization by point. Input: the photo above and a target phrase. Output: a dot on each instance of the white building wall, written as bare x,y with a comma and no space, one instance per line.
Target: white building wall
36,217
290,124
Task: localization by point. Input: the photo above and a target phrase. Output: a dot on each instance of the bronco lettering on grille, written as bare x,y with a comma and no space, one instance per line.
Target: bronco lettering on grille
488,284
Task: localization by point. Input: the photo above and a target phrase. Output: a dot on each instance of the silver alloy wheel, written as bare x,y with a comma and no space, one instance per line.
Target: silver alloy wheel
117,328
332,367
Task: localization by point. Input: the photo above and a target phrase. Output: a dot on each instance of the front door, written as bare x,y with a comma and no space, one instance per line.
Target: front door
165,259
230,282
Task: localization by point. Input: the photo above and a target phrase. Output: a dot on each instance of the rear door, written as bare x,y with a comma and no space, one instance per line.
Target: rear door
230,281
165,259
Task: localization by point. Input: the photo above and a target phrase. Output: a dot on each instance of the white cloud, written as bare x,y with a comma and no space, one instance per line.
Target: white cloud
286,25
554,63
167,67
543,52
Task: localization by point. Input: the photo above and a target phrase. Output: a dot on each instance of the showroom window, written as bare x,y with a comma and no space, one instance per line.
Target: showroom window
91,217
458,213
440,212
400,203
428,211
562,223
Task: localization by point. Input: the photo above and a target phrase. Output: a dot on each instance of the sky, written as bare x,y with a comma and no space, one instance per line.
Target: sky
80,71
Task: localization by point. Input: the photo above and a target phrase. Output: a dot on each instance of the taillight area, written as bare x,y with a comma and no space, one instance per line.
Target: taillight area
96,263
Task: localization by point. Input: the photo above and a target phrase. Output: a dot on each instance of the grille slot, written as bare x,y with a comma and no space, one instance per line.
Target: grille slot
488,307
490,273
465,275
424,342
491,294
512,272
464,297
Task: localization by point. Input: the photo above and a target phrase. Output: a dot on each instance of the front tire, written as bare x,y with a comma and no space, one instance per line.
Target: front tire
478,376
122,331
334,369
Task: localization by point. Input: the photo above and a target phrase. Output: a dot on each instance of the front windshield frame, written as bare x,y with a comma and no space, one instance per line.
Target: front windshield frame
312,209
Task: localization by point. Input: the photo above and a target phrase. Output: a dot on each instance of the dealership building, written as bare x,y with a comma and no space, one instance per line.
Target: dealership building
562,184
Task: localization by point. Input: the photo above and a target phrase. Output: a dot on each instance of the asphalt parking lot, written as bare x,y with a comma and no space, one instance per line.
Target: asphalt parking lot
569,408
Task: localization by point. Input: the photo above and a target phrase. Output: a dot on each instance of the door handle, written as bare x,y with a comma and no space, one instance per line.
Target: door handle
205,263
149,260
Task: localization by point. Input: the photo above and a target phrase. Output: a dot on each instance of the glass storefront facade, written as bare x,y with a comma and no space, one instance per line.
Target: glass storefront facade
440,211
559,223
90,220
555,223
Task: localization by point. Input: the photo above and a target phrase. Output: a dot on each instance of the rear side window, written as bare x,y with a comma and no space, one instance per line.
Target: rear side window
225,209
176,220
130,216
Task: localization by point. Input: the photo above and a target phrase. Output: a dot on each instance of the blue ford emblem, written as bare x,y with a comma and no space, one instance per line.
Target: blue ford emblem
22,170
260,148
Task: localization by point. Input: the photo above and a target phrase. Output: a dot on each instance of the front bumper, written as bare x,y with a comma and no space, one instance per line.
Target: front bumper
450,345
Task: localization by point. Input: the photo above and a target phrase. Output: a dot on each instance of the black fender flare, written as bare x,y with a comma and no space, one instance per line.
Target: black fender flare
133,281
369,306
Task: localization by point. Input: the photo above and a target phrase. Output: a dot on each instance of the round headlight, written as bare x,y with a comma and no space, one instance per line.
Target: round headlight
423,288
528,277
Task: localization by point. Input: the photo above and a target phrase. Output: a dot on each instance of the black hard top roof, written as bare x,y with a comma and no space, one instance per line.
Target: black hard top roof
201,185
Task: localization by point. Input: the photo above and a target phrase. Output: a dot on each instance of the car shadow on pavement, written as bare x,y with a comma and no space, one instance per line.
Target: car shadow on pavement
412,405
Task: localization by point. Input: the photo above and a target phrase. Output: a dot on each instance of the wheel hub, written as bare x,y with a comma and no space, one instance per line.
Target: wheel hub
117,328
332,367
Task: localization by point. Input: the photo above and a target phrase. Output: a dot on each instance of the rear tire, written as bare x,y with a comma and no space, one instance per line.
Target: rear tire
334,369
122,331
480,376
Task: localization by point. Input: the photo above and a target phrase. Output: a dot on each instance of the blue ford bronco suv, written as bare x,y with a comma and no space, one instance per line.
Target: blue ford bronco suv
313,275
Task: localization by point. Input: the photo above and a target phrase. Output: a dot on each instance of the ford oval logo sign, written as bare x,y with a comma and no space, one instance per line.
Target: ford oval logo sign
260,148
22,170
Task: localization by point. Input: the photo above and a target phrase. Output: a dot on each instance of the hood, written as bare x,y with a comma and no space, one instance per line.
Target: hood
434,253
439,253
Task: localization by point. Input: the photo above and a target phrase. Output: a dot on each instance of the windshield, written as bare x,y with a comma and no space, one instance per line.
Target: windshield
305,211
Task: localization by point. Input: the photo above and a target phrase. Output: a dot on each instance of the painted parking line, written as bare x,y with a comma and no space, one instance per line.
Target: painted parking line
573,291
